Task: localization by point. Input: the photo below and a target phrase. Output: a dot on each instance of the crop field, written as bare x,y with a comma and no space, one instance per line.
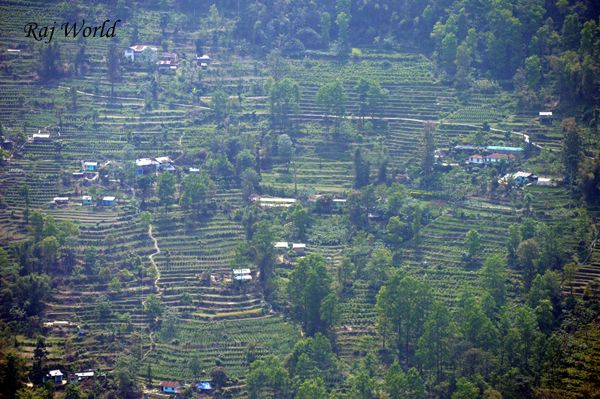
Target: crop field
186,263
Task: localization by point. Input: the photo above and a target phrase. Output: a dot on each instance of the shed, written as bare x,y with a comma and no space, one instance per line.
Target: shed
108,201
61,200
86,200
7,144
169,386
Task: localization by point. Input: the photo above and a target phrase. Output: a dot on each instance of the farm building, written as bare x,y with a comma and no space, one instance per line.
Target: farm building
78,175
41,138
467,148
108,201
60,200
55,376
281,245
546,182
545,117
141,53
90,166
504,149
145,165
241,274
86,200
169,386
299,248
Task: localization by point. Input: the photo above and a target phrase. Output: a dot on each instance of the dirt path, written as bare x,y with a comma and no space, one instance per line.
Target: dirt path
156,286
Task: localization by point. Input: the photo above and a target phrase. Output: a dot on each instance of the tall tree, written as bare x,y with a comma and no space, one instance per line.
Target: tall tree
362,170
166,188
402,305
332,99
197,190
284,97
427,151
434,346
493,278
572,149
309,285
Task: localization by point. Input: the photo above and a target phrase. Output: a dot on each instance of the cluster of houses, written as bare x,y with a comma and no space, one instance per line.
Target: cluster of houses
144,166
87,200
58,377
165,61
175,387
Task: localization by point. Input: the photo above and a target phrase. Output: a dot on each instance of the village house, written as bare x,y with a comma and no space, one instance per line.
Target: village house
60,200
41,138
165,164
90,166
86,200
241,274
108,201
478,159
145,165
55,376
299,248
519,178
204,387
83,375
168,62
282,245
7,144
203,61
545,117
141,53
169,386
268,202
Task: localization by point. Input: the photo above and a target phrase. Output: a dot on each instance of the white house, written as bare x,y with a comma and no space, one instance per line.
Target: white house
55,375
241,274
281,245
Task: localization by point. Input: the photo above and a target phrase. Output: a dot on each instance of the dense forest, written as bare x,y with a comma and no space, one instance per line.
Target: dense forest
301,199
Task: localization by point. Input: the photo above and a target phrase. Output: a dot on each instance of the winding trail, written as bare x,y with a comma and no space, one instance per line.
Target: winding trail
156,286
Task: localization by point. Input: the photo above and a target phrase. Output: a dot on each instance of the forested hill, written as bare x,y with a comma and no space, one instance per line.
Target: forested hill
549,49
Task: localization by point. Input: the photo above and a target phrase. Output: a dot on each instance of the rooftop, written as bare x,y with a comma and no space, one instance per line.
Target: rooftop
55,373
169,384
503,148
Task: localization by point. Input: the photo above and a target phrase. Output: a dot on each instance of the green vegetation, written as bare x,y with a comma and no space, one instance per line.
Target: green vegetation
301,214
